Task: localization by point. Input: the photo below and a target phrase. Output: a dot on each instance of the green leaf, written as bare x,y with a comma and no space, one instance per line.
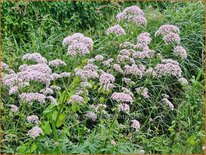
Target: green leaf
33,147
46,128
192,140
101,99
21,149
54,115
60,120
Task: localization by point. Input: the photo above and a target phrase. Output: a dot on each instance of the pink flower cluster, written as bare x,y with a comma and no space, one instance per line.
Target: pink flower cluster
168,67
118,68
132,14
35,132
31,97
36,57
14,108
33,119
78,44
91,115
128,81
99,57
135,124
170,33
183,81
57,63
143,91
86,74
180,51
146,53
133,70
76,99
106,78
123,107
167,102
122,97
116,29
78,38
144,38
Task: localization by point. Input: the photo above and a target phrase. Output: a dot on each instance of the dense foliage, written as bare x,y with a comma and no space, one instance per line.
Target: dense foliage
72,128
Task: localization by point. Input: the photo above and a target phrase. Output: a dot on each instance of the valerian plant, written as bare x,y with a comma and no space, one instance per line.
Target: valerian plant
117,99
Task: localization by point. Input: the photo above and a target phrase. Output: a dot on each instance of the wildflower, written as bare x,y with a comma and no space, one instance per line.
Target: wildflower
72,39
146,53
76,99
106,78
180,51
172,38
135,124
46,91
117,30
122,58
127,45
30,97
165,96
99,57
151,71
170,61
90,61
108,86
90,67
167,102
133,70
14,108
33,119
168,69
10,80
13,90
44,68
143,91
4,66
55,76
35,132
122,97
138,20
113,142
85,85
86,74
144,38
77,49
52,100
55,87
11,71
127,91
78,38
100,107
123,107
34,75
117,68
134,10
128,81
183,81
57,63
65,74
91,115
166,29
108,62
120,16
36,57
124,52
